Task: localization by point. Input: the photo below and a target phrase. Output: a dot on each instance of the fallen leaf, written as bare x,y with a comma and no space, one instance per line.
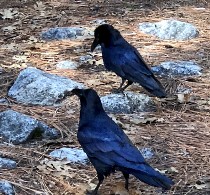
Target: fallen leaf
39,5
146,120
20,58
173,170
202,186
11,46
183,98
58,168
8,13
94,82
9,28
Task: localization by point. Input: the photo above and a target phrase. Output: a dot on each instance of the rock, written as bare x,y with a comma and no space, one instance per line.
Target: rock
99,21
177,68
19,128
7,163
170,29
37,87
67,64
128,102
74,155
4,101
59,33
6,188
147,153
84,59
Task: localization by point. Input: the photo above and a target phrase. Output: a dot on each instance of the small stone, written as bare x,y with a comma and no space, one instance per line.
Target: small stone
4,101
147,153
170,29
99,21
127,102
177,68
66,65
74,155
6,163
6,188
84,59
59,33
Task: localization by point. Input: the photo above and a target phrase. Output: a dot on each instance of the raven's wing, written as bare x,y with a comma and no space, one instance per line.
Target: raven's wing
136,69
104,140
126,61
123,54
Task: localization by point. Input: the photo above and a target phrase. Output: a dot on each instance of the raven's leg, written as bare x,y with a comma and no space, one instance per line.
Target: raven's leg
126,175
120,89
100,180
122,83
128,84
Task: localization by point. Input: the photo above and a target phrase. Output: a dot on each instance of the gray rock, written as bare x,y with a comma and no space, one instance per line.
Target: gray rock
177,68
19,128
128,102
4,101
74,155
99,21
7,163
37,87
59,33
84,59
67,64
147,153
170,29
6,188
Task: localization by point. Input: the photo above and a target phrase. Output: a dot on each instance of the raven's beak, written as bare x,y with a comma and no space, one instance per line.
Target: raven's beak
94,44
76,91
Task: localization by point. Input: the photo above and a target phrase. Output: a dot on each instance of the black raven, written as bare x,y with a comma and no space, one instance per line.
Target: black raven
108,147
124,59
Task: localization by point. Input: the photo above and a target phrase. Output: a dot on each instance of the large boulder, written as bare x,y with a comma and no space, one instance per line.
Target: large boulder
170,29
19,128
37,87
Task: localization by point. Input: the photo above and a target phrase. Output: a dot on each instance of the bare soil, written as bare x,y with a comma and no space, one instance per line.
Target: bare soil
179,138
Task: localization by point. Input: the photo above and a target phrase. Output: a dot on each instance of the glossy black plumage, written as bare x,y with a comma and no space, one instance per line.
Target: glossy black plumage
108,147
122,58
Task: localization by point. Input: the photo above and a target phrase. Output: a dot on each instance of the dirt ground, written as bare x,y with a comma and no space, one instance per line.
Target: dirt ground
180,134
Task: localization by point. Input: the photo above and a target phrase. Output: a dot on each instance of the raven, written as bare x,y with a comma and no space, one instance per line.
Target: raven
107,146
124,59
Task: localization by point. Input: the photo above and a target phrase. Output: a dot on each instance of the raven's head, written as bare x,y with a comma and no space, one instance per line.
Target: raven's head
90,101
83,93
104,33
88,94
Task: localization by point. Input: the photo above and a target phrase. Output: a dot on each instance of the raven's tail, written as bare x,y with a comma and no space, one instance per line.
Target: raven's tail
154,86
151,177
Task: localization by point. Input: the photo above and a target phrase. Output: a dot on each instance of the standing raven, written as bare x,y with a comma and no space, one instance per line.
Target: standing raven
108,147
124,59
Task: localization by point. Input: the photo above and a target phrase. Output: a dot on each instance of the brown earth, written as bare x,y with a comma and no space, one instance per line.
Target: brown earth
180,137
